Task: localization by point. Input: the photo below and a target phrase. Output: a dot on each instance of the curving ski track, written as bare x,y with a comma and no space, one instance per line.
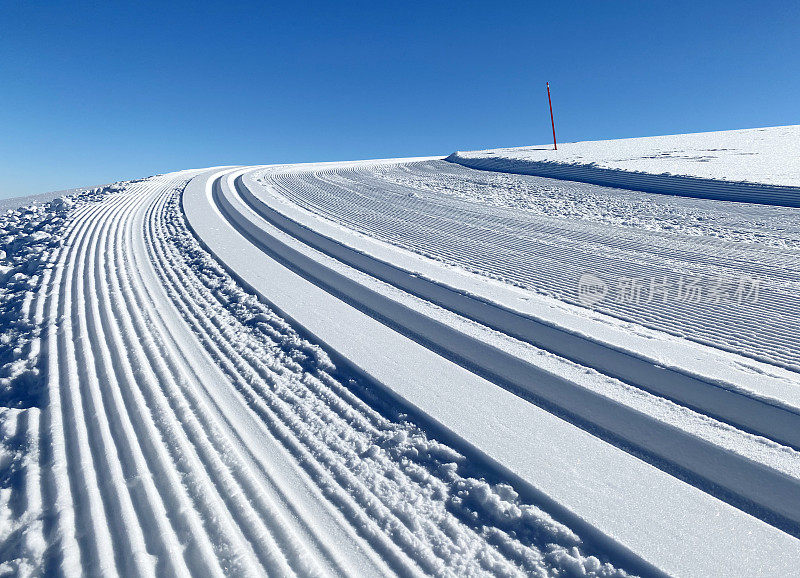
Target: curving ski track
428,207
190,426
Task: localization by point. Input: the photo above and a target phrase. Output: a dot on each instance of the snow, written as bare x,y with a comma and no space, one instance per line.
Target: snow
383,442
29,236
220,439
459,401
762,390
386,367
758,155
546,253
13,203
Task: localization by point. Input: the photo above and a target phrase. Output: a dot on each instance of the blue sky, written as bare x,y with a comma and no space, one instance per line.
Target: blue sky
92,92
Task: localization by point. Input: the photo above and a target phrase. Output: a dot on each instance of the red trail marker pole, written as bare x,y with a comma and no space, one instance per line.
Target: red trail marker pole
552,122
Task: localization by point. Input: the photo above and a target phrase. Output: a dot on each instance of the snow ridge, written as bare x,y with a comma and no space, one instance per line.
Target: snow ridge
756,156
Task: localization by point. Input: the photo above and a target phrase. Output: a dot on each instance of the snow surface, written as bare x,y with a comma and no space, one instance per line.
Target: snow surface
768,155
454,401
769,398
177,425
430,208
14,203
385,368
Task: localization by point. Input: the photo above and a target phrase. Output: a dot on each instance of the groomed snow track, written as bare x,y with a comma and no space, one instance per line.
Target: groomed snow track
186,429
274,370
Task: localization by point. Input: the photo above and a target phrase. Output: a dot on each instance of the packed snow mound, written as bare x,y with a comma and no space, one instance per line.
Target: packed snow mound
758,155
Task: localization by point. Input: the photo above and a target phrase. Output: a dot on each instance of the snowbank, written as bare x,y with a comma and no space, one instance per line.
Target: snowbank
14,203
754,165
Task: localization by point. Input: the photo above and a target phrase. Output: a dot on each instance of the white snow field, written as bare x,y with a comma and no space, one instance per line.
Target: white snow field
756,155
395,367
756,165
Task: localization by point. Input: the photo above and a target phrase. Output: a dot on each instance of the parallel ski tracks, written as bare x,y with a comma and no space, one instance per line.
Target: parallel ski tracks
233,208
90,508
429,549
171,446
548,255
137,484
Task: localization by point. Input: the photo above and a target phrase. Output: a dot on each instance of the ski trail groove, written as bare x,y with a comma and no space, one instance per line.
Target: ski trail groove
226,534
58,487
220,196
96,553
177,289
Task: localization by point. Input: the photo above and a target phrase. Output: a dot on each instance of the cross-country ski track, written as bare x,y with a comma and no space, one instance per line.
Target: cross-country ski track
382,368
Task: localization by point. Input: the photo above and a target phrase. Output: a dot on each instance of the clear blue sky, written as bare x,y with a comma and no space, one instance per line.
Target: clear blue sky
92,92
